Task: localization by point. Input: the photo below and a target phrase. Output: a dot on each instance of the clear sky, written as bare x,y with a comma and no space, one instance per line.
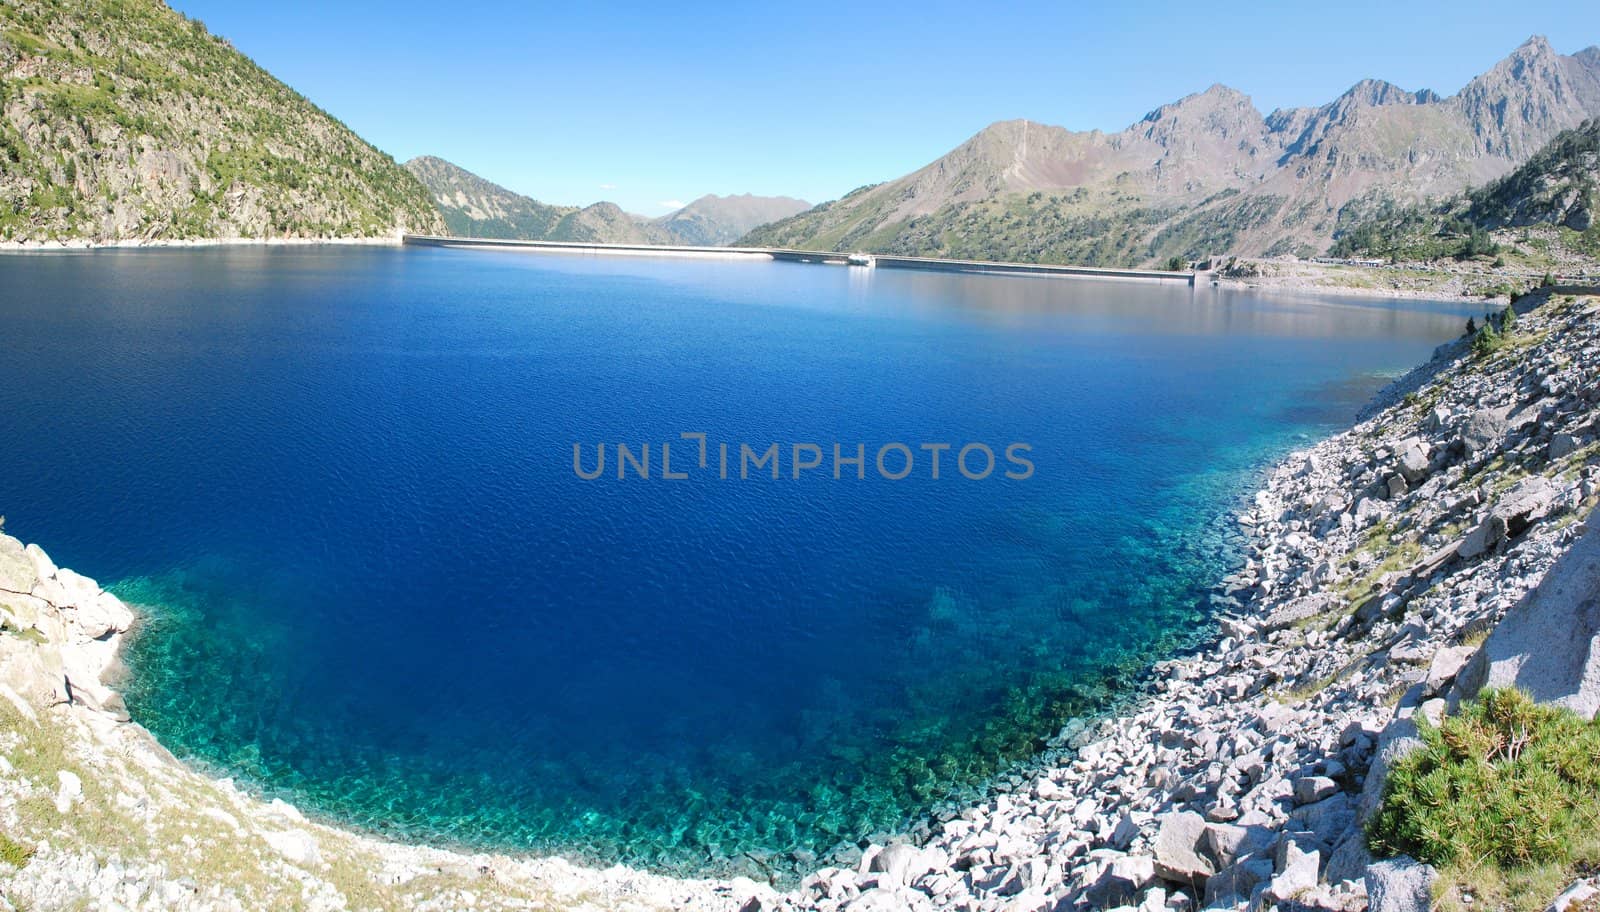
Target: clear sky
650,104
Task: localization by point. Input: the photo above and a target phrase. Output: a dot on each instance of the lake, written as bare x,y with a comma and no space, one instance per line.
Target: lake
340,484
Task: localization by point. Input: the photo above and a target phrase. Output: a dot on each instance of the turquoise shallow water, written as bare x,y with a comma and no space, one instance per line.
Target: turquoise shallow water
341,483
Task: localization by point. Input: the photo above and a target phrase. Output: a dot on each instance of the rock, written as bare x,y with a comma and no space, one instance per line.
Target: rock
43,567
1397,487
1398,739
1127,829
17,572
1579,892
1350,859
1178,847
1311,789
296,846
1400,885
1549,643
1122,881
1413,460
69,792
1001,880
1033,899
900,864
888,899
1561,445
1226,843
1526,503
1296,611
1234,884
1446,664
1297,871
1328,820
102,616
1484,429
78,590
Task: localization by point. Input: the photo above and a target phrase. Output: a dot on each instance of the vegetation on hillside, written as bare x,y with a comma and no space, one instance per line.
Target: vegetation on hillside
1504,797
1070,227
1558,189
124,119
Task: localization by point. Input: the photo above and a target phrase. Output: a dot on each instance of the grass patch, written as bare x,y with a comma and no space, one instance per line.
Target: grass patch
1503,798
1394,555
27,634
14,853
1307,689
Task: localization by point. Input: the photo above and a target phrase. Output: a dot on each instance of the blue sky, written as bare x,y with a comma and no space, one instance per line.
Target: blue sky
649,104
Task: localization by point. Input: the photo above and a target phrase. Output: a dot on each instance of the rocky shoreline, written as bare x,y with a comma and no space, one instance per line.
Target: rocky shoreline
1380,561
393,240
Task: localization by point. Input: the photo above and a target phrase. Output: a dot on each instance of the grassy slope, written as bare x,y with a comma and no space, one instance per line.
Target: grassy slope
124,119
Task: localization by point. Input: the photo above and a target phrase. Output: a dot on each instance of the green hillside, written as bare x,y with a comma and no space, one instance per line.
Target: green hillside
123,119
1557,192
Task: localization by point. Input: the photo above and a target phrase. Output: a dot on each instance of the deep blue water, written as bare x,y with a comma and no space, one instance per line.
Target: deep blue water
341,482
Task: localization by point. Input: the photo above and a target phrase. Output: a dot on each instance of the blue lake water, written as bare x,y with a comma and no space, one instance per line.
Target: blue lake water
341,482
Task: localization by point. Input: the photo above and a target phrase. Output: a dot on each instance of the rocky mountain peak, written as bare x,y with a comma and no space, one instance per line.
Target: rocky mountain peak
1217,120
1208,172
1377,92
1217,102
1527,97
1535,47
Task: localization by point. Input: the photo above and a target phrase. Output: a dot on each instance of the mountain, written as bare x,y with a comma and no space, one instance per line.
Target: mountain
712,220
124,119
1559,185
606,223
475,207
1208,173
1557,191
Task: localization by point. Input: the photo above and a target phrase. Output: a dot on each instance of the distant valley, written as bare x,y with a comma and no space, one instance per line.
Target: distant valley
475,207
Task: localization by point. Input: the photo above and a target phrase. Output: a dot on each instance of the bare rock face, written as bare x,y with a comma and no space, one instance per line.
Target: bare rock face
68,611
17,573
1549,643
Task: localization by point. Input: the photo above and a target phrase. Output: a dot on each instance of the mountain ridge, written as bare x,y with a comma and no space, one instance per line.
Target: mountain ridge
1208,173
473,206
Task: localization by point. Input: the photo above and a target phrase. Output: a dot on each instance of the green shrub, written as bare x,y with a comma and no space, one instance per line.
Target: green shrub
1476,243
1485,340
1508,782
